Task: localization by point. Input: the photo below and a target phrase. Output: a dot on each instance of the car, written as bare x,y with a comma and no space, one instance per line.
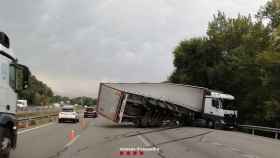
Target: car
68,113
90,112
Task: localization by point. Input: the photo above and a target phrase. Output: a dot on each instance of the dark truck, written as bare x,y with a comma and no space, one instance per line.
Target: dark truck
152,104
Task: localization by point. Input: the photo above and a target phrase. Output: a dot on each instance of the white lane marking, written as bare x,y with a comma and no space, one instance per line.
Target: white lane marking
267,140
217,144
249,156
235,149
31,129
71,142
146,143
255,137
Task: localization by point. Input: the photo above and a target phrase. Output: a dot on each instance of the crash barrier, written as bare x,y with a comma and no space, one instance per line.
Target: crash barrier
34,108
253,128
26,122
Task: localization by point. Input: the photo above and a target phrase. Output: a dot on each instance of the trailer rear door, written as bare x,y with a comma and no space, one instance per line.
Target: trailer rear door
108,102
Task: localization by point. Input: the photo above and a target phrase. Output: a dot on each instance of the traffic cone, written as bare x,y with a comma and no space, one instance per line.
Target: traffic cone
82,123
72,135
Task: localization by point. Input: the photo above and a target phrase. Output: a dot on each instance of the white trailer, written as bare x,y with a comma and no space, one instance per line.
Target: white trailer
150,104
13,78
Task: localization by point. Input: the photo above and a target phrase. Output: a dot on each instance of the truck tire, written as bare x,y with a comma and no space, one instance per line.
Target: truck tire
154,123
137,123
145,122
211,124
5,139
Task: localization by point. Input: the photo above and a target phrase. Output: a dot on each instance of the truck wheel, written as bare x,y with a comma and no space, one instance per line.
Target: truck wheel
5,143
5,155
211,124
144,122
137,123
154,123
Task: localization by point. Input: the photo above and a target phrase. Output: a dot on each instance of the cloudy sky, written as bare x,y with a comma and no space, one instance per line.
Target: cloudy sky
73,45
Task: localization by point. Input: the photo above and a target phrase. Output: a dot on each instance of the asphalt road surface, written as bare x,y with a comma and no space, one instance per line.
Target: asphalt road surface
102,139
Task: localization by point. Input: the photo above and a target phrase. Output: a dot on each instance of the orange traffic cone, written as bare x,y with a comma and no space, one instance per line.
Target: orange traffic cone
82,123
72,135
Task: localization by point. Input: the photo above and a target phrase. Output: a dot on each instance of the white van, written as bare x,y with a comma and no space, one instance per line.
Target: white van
22,103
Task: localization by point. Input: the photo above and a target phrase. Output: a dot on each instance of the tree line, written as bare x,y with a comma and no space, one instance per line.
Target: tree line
85,101
240,56
40,94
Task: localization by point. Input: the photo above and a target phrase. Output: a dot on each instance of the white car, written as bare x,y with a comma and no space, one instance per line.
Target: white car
68,113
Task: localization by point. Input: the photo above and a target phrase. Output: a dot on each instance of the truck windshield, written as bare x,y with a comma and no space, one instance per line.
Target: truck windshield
228,104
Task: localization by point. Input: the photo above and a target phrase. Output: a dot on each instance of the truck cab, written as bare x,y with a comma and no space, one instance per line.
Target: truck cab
218,109
14,78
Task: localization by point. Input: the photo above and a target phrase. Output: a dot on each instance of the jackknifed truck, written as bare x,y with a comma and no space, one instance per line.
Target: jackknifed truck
155,104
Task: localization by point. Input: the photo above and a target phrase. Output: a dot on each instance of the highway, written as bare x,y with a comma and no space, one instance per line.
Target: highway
101,138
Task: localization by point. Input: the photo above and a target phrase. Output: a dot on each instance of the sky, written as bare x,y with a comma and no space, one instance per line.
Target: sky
73,45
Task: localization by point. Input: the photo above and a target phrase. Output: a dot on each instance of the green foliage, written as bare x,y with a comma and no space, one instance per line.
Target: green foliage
188,56
77,100
240,57
271,12
84,101
58,99
38,93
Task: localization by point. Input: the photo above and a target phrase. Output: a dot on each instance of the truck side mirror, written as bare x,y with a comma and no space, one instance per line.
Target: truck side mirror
26,76
23,75
19,76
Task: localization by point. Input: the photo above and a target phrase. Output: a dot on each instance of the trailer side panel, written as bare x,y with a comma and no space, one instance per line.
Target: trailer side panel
189,97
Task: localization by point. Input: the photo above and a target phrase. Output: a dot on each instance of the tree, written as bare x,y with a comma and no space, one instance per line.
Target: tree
190,55
38,93
271,13
84,101
226,60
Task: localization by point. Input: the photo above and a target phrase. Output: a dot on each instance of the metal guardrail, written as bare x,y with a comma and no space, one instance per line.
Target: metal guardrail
261,128
36,109
26,121
35,117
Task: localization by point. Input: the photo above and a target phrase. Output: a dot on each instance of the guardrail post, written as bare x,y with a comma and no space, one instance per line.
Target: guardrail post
253,131
276,135
27,122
